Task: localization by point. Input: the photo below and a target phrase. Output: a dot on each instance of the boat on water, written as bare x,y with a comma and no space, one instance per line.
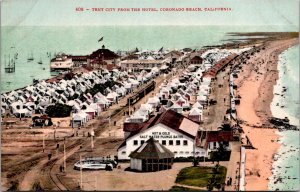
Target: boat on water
30,58
95,164
40,61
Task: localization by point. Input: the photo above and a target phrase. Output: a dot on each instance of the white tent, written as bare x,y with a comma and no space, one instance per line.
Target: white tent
153,101
197,105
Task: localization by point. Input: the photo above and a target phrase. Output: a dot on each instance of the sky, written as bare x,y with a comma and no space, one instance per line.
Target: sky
62,12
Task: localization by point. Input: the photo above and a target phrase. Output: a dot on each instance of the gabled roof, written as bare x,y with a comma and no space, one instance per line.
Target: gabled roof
195,111
214,136
172,120
175,106
151,149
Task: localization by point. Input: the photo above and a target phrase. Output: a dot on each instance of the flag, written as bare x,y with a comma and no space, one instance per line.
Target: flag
101,39
161,49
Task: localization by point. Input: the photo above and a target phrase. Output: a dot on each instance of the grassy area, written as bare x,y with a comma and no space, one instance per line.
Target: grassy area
201,176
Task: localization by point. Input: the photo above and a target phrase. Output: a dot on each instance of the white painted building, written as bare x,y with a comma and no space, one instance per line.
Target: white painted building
61,63
174,131
141,64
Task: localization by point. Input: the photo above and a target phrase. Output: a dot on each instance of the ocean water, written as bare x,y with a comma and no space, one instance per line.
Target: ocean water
287,165
84,40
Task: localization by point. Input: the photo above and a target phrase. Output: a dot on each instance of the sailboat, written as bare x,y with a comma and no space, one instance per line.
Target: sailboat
30,58
40,61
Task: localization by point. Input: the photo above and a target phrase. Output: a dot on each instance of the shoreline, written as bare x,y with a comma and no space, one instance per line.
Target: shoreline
277,111
261,75
286,150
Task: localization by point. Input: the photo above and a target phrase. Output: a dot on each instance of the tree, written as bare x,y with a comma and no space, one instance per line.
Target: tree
14,186
58,110
37,187
220,152
195,162
218,186
50,123
226,127
216,169
210,184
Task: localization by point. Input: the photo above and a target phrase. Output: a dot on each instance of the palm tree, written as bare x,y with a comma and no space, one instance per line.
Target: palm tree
195,162
226,127
210,185
220,152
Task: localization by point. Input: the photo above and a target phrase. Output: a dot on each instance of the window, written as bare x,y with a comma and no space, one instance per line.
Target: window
181,152
185,142
170,142
226,143
135,142
215,145
163,142
175,152
177,142
123,152
142,142
187,152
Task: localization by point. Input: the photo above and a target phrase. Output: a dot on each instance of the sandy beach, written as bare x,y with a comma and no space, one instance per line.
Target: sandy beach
255,86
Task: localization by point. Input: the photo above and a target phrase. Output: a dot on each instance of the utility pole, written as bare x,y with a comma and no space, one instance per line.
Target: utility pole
129,107
92,139
65,165
80,172
95,182
109,123
43,143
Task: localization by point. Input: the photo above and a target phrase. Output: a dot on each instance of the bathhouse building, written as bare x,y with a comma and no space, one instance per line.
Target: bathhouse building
172,130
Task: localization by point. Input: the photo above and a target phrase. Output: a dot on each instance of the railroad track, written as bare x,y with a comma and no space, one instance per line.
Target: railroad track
52,175
74,147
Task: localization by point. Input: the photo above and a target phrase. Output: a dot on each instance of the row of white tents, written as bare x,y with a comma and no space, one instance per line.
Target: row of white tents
194,85
36,98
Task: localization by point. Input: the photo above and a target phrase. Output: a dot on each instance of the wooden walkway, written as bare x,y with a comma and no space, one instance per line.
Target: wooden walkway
233,167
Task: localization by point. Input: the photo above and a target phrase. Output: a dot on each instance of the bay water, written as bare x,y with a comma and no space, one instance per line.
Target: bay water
83,40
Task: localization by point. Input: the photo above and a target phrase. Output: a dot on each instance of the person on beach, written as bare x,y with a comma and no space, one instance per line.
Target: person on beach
49,156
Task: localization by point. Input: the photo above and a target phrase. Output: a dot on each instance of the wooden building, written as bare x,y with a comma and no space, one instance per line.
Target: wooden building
172,130
103,57
196,60
151,156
